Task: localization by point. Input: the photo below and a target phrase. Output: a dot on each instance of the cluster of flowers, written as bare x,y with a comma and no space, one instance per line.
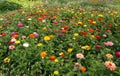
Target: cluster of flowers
60,39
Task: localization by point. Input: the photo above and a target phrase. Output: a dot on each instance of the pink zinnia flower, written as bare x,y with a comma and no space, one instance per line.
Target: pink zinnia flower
11,47
110,65
19,24
13,40
104,35
56,23
13,33
108,43
36,34
55,30
76,65
80,56
23,37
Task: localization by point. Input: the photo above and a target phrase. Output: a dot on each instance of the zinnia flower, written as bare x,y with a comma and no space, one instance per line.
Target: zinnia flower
60,34
110,65
36,34
83,69
86,47
7,60
46,38
23,37
104,35
76,34
80,56
108,43
39,44
52,58
109,56
56,72
76,65
26,44
56,60
98,47
13,40
19,24
43,54
11,47
70,50
17,42
117,54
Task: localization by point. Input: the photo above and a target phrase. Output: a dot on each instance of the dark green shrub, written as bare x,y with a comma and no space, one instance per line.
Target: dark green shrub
6,5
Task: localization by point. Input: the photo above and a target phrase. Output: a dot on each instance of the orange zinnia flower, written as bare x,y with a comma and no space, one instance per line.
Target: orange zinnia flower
63,31
83,69
0,27
52,58
32,36
43,54
40,19
91,30
66,27
15,36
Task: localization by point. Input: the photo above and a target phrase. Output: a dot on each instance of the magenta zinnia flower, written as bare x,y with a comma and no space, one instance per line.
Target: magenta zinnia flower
19,24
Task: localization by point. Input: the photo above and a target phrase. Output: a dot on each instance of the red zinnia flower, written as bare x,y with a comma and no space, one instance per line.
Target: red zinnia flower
91,30
3,34
97,37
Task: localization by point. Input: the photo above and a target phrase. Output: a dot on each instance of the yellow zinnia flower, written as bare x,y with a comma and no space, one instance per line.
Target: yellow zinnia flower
56,60
94,22
44,28
100,15
7,60
92,36
39,44
84,25
86,47
51,36
109,56
56,72
79,23
17,42
70,50
47,38
76,34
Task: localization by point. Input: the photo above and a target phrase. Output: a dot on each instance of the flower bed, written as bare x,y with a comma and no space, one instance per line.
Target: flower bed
60,41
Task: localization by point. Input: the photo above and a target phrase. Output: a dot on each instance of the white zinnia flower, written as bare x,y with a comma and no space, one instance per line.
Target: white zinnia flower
26,44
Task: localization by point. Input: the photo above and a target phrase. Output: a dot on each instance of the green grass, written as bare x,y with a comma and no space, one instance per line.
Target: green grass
26,3
64,3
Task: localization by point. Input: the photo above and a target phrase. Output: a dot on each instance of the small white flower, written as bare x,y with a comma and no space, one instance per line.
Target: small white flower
44,21
26,44
29,19
27,26
34,32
